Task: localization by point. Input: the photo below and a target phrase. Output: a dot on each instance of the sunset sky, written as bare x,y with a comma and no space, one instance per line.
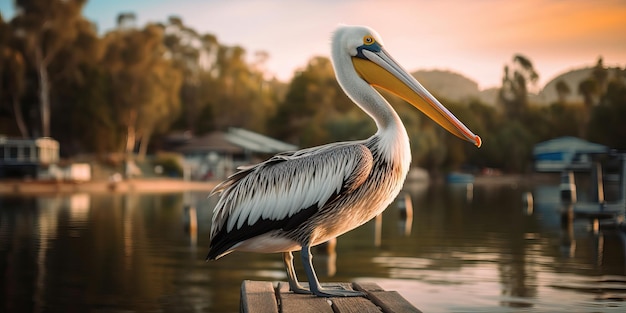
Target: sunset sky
474,38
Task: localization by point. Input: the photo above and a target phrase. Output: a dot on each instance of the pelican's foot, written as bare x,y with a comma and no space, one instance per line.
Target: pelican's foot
340,292
299,290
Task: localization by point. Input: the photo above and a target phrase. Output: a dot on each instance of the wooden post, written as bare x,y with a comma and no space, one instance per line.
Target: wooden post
568,241
405,206
527,199
378,230
568,187
597,184
622,180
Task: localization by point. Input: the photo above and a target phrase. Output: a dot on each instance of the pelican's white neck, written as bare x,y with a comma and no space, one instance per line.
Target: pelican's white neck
358,90
394,141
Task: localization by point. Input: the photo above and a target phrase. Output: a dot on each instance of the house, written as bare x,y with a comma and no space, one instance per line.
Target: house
21,158
566,153
218,154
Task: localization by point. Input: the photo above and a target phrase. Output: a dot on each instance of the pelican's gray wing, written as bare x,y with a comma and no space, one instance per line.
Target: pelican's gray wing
272,192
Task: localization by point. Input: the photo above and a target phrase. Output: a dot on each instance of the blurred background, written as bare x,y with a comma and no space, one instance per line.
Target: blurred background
106,77
118,93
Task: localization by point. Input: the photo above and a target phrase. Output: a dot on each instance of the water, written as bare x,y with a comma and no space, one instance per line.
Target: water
477,250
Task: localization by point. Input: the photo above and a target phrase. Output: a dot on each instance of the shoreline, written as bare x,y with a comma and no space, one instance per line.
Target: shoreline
141,185
170,185
517,179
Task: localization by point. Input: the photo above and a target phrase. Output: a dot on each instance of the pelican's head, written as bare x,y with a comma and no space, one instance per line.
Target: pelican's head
376,67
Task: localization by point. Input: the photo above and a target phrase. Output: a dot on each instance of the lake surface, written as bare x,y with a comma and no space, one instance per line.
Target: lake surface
466,250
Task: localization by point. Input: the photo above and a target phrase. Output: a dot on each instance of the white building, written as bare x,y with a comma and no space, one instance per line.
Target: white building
566,153
26,157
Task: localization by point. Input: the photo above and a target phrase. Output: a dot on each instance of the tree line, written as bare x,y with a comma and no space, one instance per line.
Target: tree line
122,91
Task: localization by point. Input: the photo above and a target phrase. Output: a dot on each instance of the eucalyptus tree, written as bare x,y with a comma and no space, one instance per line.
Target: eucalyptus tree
77,95
243,97
589,89
144,84
606,124
12,76
313,100
221,87
600,74
513,95
562,90
45,27
195,56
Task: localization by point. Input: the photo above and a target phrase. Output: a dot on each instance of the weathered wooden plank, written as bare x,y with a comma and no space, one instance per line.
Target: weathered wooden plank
357,304
350,304
388,301
292,302
392,301
261,297
354,305
258,296
367,286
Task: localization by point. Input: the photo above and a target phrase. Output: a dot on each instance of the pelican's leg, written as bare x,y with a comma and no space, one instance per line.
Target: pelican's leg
294,285
314,284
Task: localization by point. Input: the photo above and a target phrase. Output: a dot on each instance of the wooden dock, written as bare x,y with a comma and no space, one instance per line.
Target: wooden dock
265,297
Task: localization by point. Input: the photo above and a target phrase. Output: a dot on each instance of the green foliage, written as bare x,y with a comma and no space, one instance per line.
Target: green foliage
90,122
220,88
607,119
12,78
513,95
313,101
170,162
45,28
563,90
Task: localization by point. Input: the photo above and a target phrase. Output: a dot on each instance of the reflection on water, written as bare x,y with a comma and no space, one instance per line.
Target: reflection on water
466,249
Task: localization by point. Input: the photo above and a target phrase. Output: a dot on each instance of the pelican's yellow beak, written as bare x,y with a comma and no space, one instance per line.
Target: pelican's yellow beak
379,69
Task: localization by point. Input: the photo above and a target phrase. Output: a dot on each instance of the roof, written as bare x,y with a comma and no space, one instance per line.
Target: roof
256,142
214,141
569,144
235,141
563,153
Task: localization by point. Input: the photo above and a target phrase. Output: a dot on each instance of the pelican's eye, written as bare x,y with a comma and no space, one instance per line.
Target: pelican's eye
369,44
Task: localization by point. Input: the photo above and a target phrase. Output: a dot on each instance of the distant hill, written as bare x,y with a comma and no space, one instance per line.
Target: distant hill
572,78
454,86
490,95
447,84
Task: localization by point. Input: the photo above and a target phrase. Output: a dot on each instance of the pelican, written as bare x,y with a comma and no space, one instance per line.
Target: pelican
297,200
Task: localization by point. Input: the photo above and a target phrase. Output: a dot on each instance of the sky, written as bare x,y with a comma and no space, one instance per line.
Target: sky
474,38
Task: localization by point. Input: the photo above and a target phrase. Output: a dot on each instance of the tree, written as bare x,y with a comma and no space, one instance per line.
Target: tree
94,123
45,27
220,88
600,74
12,76
243,98
76,74
144,84
589,89
513,94
557,120
313,99
195,56
562,90
606,124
